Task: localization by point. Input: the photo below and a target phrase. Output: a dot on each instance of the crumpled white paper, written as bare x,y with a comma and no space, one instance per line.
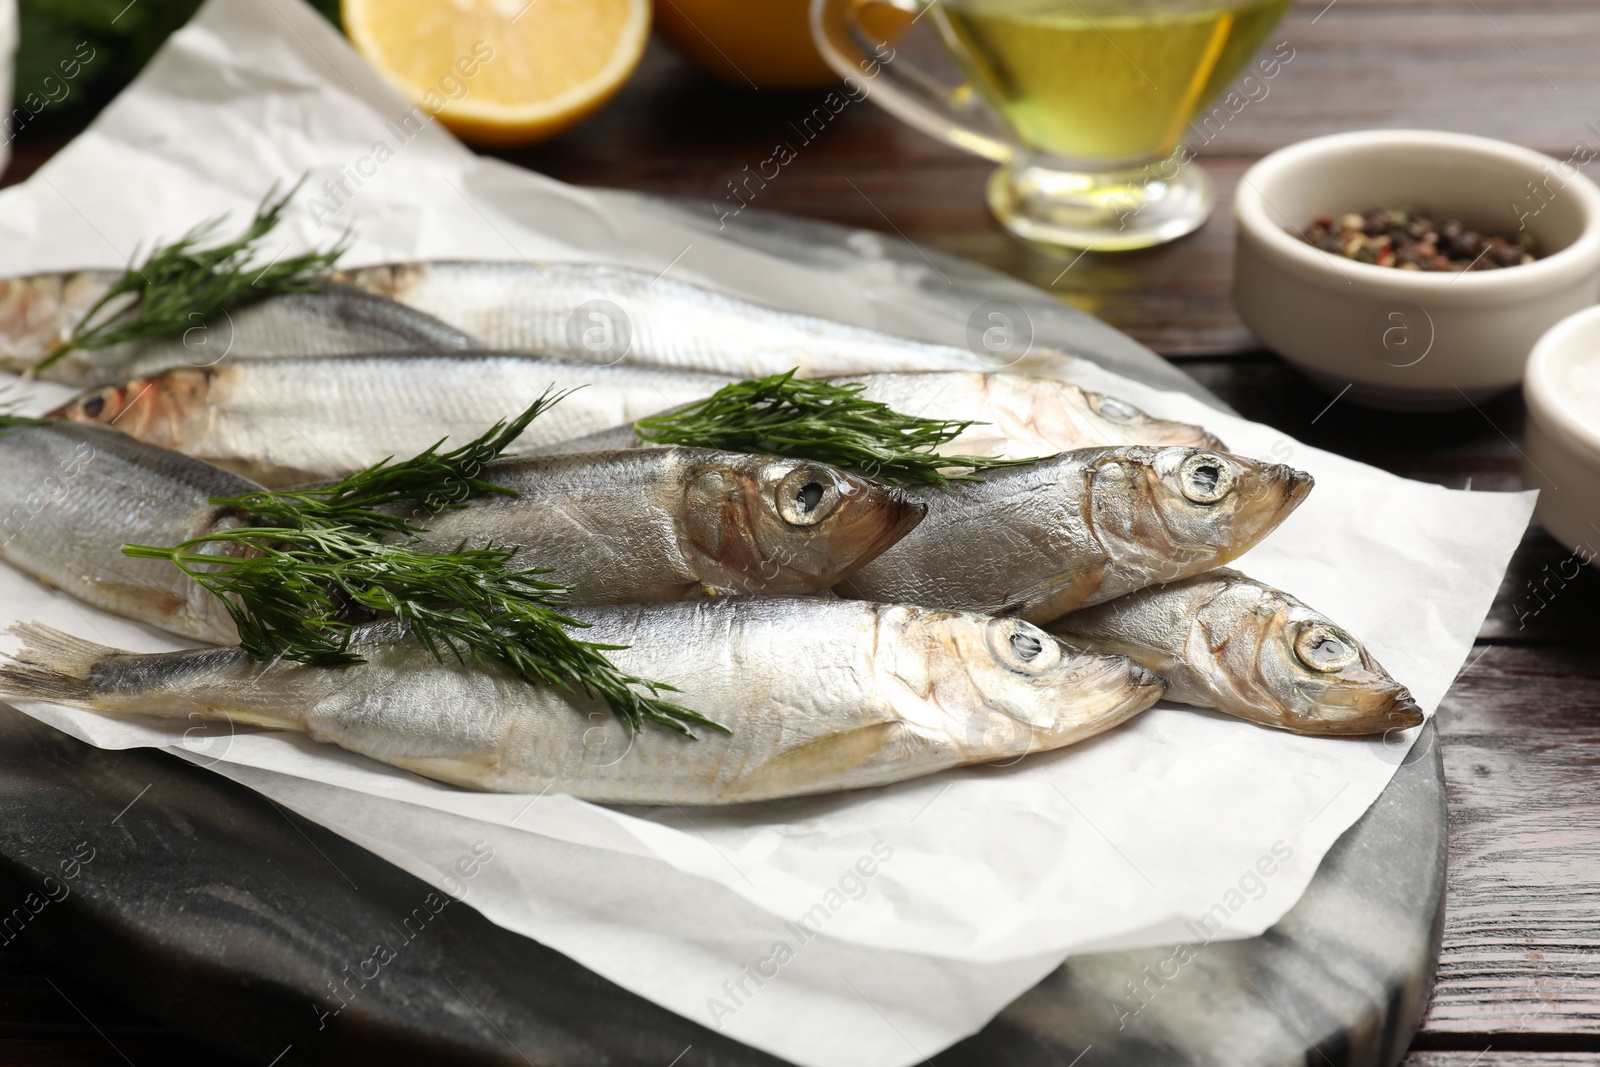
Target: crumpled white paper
872,928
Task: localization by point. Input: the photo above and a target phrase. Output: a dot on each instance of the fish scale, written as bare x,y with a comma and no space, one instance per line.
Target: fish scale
650,524
480,727
530,307
289,420
70,498
1044,538
624,527
39,312
1226,641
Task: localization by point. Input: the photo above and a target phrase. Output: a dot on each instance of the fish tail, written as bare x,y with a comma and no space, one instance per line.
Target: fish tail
51,665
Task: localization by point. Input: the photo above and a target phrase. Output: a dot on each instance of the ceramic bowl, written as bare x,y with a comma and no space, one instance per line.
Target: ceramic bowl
1561,457
1413,340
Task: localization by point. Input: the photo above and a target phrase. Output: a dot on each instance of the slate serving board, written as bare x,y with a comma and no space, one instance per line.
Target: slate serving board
205,905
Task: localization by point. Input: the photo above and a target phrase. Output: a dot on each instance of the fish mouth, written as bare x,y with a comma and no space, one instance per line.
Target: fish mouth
879,516
1279,490
1122,688
1403,712
1297,484
1293,487
1376,711
893,514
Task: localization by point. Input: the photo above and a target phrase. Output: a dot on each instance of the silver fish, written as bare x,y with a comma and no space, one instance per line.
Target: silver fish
290,420
1017,416
1044,538
819,695
1020,416
38,312
72,496
640,526
593,311
1225,641
669,523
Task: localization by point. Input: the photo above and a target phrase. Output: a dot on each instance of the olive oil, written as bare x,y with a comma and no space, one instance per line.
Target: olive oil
1102,80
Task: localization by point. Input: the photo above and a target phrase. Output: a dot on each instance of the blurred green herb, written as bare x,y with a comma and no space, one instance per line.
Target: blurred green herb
785,416
10,420
82,52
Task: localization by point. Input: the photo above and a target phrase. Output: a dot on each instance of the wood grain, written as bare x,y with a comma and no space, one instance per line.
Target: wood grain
1522,935
1491,1058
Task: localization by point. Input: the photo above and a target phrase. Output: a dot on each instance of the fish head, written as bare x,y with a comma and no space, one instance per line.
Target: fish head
1164,514
1000,687
38,313
1277,662
166,409
1121,421
776,525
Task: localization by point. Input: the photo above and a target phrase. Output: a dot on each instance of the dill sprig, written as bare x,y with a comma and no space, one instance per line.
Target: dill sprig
785,416
185,282
309,564
9,419
432,480
293,592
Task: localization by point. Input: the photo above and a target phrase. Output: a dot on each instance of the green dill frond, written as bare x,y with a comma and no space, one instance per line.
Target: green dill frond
820,421
432,480
9,419
317,561
186,282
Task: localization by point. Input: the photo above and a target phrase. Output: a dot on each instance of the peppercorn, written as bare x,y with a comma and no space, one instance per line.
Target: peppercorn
1412,240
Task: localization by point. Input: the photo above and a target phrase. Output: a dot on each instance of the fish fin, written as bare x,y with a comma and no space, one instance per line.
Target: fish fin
51,665
817,765
465,772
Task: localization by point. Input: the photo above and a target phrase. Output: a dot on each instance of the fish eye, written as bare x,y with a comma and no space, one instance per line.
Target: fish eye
94,406
806,496
1205,478
1110,407
1324,648
1023,647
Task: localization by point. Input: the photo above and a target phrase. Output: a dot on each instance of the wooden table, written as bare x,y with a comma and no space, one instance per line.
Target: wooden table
1519,979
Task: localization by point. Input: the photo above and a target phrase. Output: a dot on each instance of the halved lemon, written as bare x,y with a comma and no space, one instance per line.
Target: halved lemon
502,71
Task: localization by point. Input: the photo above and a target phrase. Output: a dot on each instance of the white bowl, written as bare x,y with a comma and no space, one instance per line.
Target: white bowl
1412,340
1562,451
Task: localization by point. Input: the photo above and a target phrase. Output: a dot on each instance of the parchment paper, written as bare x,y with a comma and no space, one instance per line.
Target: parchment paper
870,929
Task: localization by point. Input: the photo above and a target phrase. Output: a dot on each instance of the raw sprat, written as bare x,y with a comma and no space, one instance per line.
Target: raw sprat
642,317
1044,538
289,420
181,284
1223,640
818,695
646,525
